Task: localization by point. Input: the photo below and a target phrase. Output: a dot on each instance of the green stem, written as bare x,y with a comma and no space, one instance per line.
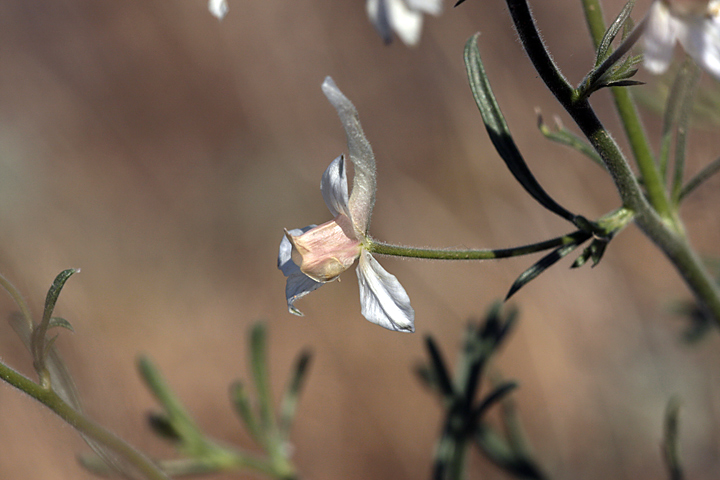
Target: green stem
673,244
18,299
630,119
439,254
458,459
690,75
704,174
81,423
228,461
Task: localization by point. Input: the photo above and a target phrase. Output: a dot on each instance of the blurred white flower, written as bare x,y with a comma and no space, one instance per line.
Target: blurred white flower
219,8
404,17
315,255
693,23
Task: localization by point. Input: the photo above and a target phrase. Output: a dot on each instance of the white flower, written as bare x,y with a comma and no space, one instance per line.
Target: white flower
693,23
315,255
404,17
219,8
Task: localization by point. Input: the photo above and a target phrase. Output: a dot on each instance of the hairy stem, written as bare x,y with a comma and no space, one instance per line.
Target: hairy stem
630,119
665,235
84,425
439,254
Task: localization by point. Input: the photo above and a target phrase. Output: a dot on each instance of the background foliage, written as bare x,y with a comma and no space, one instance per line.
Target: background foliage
164,153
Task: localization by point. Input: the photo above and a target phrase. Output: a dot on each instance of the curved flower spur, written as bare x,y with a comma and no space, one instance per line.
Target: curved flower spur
314,255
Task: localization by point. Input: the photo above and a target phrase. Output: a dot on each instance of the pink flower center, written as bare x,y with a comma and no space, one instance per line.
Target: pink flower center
325,251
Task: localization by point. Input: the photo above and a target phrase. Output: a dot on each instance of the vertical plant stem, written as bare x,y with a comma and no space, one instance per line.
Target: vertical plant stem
459,459
673,244
691,76
630,119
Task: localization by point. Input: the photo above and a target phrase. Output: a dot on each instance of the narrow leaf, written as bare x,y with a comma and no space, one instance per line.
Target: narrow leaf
624,83
708,171
499,132
612,31
193,441
683,126
162,426
670,442
543,264
60,322
494,397
38,340
565,137
241,401
594,252
258,361
288,404
54,292
438,369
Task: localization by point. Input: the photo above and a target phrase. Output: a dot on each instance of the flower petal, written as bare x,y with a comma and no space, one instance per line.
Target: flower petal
701,40
406,21
382,298
362,197
660,37
218,8
377,12
433,7
298,284
324,252
334,188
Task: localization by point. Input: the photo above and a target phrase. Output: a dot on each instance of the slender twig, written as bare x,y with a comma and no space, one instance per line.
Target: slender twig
84,425
663,231
703,175
439,254
630,117
691,76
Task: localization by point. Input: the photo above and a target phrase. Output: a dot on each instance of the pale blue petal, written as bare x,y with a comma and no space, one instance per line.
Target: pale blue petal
298,284
334,187
405,21
433,7
701,40
379,16
218,8
382,299
362,197
660,37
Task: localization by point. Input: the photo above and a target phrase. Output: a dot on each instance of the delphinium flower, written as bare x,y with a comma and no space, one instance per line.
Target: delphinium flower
404,17
218,8
693,23
315,255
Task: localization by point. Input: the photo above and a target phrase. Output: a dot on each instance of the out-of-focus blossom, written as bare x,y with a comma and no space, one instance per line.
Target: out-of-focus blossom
404,17
219,8
315,255
693,23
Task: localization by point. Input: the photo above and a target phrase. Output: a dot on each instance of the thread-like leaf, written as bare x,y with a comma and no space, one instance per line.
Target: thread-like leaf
261,375
491,399
60,322
543,264
241,401
670,441
38,341
193,441
604,46
288,404
500,133
438,368
565,137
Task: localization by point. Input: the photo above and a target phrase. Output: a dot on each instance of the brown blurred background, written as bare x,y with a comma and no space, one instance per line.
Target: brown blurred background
163,152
